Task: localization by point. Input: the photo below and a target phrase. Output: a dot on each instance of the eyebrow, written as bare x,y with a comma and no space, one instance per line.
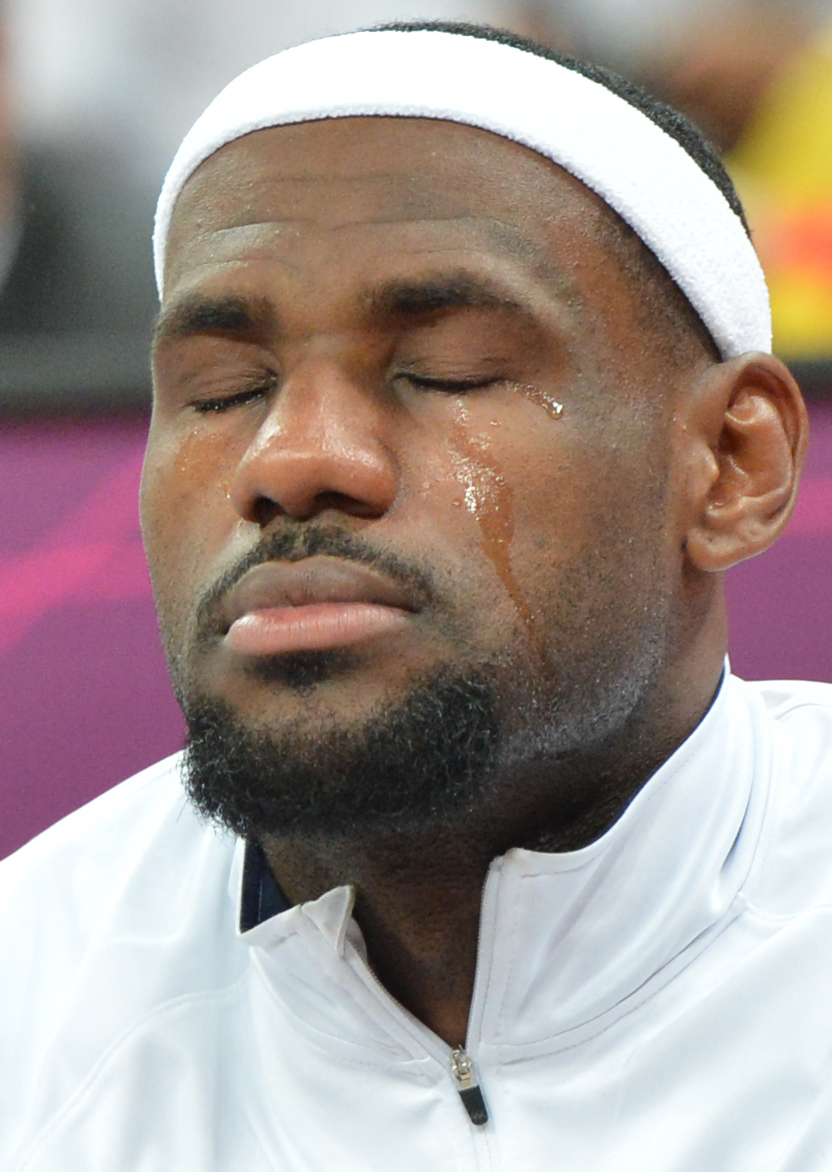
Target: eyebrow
250,318
417,298
235,316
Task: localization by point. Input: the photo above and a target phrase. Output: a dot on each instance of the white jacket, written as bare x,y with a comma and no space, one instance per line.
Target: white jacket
660,1001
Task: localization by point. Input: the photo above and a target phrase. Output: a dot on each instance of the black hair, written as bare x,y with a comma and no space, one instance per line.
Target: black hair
665,309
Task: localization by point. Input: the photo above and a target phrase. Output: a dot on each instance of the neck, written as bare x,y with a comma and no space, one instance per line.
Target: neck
417,903
418,891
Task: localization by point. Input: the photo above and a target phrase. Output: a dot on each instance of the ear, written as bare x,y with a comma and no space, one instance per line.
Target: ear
746,432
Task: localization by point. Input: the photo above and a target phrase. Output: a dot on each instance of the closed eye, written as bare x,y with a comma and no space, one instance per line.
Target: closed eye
451,386
224,402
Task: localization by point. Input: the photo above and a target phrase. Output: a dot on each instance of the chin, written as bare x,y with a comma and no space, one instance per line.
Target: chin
423,757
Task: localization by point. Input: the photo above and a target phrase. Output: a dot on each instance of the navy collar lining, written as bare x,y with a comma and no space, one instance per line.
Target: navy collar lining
261,896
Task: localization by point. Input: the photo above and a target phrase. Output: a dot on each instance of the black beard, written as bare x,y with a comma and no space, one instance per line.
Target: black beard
422,760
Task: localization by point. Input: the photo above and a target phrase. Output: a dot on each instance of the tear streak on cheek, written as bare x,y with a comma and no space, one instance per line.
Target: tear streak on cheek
551,406
489,500
201,463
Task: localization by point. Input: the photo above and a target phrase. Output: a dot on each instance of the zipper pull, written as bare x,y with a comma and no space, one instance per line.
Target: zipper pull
462,1071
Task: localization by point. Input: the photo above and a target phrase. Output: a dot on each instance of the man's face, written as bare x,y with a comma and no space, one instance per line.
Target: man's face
407,429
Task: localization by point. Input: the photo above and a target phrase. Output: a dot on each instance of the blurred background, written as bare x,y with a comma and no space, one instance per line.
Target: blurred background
95,96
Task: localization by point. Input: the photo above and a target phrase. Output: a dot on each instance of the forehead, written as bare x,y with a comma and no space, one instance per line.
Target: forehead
408,185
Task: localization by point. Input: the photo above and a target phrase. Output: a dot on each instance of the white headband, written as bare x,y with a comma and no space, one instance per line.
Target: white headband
638,169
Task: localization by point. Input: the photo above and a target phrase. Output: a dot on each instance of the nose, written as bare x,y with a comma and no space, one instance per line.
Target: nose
321,447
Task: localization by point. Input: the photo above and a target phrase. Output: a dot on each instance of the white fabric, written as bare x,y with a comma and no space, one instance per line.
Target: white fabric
640,171
657,1002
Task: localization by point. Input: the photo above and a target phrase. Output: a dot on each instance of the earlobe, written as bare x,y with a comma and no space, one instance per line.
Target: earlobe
751,417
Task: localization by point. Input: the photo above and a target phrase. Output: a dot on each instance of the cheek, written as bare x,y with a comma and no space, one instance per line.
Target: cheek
488,496
185,511
571,522
511,495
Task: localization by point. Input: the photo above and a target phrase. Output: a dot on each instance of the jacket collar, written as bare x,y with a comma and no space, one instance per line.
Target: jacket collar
568,939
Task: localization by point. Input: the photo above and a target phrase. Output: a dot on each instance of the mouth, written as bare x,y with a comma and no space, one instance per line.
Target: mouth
316,604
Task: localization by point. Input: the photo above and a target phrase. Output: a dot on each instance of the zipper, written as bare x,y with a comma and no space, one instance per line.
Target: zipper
465,1077
462,1069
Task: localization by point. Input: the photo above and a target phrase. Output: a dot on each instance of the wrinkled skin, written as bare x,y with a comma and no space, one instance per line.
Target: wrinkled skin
575,555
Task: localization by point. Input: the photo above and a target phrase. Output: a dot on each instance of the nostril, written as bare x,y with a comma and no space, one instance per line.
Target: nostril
264,511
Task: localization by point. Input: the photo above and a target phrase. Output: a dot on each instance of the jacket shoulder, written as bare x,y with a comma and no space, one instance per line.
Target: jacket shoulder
144,796
794,873
123,858
782,697
123,908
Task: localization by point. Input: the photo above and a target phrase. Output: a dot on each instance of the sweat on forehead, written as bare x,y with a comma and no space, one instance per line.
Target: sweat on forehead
643,173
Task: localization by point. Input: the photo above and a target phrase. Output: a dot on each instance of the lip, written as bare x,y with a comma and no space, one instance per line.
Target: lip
315,604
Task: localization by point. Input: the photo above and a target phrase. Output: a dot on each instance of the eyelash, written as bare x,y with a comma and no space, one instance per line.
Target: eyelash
448,385
224,402
257,391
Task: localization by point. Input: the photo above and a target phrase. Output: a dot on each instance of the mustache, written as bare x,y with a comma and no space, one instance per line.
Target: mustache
296,545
